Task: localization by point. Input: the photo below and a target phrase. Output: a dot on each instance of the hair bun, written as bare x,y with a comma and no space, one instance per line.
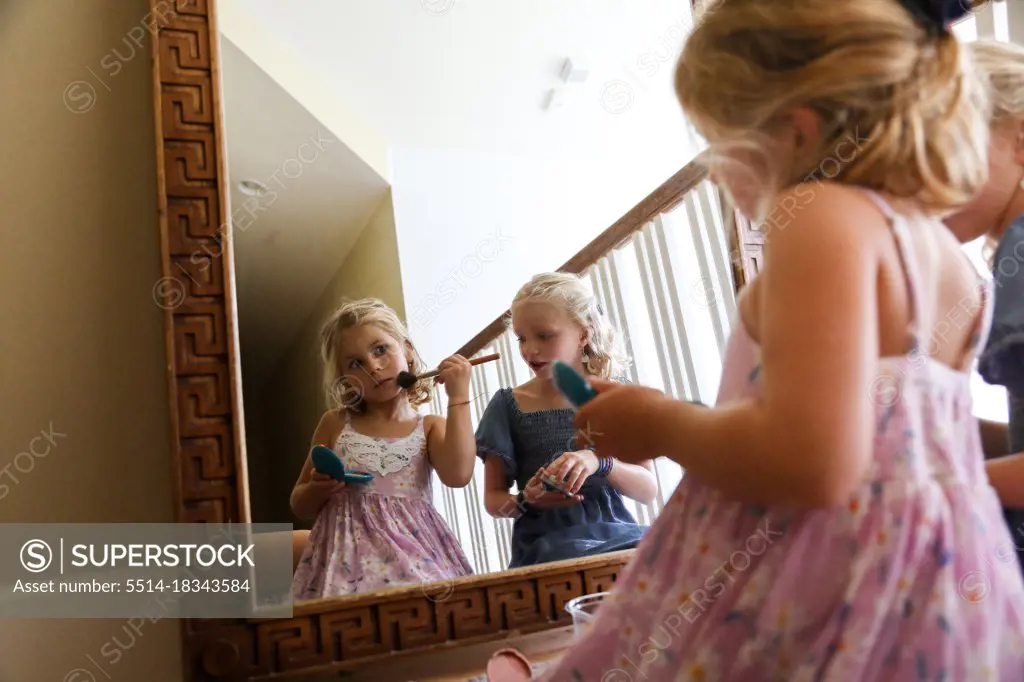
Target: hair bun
937,15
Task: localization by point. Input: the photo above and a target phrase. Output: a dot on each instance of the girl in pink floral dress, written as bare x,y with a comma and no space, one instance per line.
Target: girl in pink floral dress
835,522
384,533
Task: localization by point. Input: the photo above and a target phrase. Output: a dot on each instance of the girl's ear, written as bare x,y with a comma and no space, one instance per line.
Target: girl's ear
806,131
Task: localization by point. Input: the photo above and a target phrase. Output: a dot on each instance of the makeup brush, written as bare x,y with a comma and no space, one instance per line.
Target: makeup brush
408,379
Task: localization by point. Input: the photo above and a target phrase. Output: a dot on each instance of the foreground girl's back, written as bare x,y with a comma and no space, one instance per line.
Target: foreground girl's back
913,578
860,540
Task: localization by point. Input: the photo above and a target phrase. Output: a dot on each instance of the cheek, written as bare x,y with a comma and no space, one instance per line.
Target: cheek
984,212
398,361
973,221
568,347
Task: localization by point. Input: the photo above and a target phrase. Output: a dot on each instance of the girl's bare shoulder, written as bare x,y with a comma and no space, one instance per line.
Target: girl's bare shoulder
432,421
330,426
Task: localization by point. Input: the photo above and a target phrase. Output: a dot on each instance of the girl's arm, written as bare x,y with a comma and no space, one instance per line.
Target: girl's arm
635,481
994,439
451,446
808,441
498,501
309,495
1006,475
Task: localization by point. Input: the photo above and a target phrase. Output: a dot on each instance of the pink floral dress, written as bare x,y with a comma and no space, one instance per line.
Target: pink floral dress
914,578
381,534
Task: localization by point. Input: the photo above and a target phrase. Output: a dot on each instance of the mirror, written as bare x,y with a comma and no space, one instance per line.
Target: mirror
661,271
434,156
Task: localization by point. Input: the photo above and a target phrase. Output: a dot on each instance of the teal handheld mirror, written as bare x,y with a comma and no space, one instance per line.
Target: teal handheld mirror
325,461
573,386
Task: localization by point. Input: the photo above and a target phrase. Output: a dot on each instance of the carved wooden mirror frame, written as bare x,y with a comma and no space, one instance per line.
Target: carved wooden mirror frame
197,293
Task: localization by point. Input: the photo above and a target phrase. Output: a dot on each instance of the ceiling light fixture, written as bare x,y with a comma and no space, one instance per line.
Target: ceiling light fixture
252,188
573,73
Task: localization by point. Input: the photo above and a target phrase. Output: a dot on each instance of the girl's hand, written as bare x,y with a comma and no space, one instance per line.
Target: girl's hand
454,375
323,485
572,469
622,419
536,495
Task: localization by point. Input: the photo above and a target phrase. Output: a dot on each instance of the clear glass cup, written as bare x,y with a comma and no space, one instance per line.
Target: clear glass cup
584,610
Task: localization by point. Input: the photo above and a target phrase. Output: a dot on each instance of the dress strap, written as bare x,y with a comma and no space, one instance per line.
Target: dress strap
911,273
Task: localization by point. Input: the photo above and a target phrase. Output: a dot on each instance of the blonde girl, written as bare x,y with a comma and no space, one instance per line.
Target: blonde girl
526,435
386,532
997,213
835,522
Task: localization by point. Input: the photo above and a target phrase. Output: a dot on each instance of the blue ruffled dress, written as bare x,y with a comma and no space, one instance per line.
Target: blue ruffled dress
1002,361
528,441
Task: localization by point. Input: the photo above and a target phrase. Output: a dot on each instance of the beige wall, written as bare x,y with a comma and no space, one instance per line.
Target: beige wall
293,399
81,338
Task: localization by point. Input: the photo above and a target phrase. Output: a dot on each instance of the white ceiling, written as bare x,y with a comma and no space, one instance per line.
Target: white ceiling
451,74
474,73
319,198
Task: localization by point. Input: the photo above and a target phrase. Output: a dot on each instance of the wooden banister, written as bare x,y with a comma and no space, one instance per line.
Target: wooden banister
668,195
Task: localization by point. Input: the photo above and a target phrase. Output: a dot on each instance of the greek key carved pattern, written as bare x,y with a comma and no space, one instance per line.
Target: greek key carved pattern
358,632
205,447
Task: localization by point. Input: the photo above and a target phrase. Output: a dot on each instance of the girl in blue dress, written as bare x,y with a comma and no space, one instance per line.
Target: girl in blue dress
526,434
997,213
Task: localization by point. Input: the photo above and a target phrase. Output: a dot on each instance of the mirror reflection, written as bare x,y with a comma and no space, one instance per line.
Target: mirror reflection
400,175
571,501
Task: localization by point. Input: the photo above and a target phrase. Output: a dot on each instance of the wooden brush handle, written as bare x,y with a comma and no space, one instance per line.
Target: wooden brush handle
474,362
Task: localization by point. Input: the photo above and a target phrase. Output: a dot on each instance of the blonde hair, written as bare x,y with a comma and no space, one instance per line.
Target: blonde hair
351,314
605,357
869,71
1001,68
